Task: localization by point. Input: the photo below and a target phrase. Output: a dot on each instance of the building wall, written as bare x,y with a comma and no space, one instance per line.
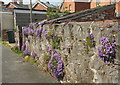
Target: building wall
7,20
66,6
118,6
6,23
40,7
93,4
107,2
102,3
81,6
23,19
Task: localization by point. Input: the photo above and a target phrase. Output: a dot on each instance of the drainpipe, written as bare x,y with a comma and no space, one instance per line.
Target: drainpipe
30,11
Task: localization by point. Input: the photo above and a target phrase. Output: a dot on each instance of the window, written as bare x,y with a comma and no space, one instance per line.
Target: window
70,8
98,3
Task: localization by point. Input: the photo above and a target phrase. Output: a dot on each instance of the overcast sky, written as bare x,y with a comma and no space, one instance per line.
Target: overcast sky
55,2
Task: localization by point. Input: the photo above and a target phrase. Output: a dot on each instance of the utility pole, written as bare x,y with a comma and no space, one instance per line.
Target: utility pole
30,11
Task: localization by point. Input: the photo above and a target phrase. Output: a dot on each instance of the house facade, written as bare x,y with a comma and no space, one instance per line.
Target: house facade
41,5
75,5
98,3
79,5
16,14
16,4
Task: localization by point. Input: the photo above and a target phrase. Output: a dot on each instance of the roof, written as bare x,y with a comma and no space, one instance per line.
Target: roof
17,5
85,13
78,0
46,5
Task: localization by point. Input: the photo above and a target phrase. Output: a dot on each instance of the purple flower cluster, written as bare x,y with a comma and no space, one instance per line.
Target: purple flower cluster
23,45
107,25
39,31
25,31
26,51
34,55
55,65
90,40
115,31
118,29
16,41
48,22
28,31
107,50
31,25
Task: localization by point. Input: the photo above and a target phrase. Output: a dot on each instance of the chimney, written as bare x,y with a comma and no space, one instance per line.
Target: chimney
20,1
48,2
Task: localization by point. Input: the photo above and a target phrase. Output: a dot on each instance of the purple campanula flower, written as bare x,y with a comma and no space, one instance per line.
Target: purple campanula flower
36,56
118,29
56,70
16,41
108,23
31,25
48,22
90,40
62,20
26,51
33,54
67,47
32,31
45,33
39,31
23,47
115,31
91,36
107,50
25,31
50,50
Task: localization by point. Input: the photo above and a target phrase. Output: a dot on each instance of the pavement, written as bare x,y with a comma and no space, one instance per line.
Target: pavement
15,70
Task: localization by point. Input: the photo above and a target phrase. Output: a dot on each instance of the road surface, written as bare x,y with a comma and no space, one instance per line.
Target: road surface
14,70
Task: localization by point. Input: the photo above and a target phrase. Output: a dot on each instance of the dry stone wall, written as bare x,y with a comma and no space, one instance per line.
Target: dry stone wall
79,66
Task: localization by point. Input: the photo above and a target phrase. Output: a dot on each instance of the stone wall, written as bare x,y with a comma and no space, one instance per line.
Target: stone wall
79,66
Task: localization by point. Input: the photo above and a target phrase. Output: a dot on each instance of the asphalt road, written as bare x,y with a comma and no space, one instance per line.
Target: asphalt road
14,70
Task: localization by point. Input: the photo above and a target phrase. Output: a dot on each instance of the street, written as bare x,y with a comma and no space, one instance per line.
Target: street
15,70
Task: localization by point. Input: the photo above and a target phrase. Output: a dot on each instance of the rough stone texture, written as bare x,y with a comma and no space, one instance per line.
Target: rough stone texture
80,67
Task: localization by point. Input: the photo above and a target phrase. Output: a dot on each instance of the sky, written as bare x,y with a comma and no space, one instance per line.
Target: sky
54,2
